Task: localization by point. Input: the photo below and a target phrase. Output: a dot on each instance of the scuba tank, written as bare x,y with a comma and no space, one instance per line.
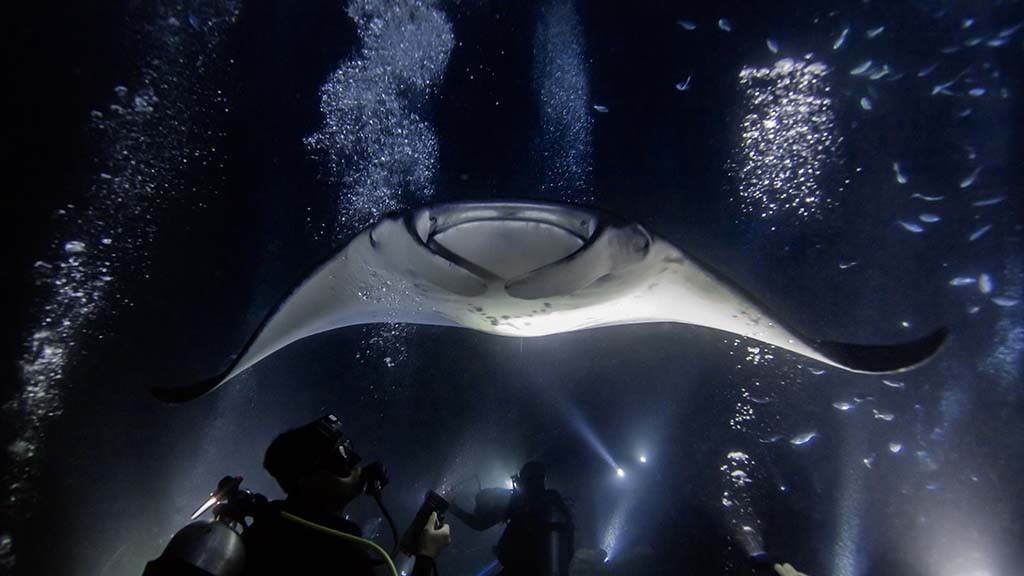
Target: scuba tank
211,547
560,537
205,548
539,535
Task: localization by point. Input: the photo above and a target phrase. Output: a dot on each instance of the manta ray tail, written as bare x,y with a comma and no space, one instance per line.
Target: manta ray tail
183,394
883,359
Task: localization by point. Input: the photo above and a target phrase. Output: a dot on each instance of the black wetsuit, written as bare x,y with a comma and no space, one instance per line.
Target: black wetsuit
525,547
279,547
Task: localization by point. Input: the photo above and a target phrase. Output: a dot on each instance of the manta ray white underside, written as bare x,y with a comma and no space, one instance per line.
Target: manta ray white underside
529,269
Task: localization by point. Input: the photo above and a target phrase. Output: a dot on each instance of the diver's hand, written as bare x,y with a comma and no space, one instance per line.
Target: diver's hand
433,540
787,570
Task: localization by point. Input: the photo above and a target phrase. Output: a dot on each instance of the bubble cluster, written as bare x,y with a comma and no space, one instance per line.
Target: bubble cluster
742,414
384,344
160,127
566,143
737,500
760,355
1006,358
375,144
787,139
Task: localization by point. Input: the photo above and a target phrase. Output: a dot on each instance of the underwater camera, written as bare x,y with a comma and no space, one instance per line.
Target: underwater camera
432,502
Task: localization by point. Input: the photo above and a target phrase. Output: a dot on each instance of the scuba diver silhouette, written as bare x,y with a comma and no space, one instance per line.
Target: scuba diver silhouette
305,533
538,540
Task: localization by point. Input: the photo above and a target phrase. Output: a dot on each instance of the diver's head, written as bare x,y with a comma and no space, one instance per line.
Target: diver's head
316,465
530,478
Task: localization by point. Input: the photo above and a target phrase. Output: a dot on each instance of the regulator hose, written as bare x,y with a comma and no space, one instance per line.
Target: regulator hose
361,541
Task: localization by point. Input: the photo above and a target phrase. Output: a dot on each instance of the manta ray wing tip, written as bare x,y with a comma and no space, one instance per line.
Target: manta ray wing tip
886,359
184,394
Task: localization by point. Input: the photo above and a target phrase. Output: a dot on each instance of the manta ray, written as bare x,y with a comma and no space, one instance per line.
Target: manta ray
521,269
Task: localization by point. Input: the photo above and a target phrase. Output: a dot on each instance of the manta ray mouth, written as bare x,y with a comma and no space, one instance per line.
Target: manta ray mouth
503,240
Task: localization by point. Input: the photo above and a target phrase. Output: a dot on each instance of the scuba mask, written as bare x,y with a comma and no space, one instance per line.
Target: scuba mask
341,459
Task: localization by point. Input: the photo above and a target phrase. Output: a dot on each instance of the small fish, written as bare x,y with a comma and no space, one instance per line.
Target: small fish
962,281
816,371
893,383
967,23
772,45
725,24
950,50
801,439
985,284
859,399
929,218
1005,301
927,198
886,416
684,86
996,42
874,32
972,42
900,177
975,92
974,309
771,439
911,227
760,399
841,40
964,113
842,406
687,25
865,103
927,70
846,265
861,68
74,247
895,447
601,109
979,233
972,154
869,461
880,73
1007,32
969,181
944,87
194,22
989,201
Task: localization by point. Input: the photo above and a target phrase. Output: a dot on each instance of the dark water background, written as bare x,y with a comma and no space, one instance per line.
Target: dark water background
120,472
